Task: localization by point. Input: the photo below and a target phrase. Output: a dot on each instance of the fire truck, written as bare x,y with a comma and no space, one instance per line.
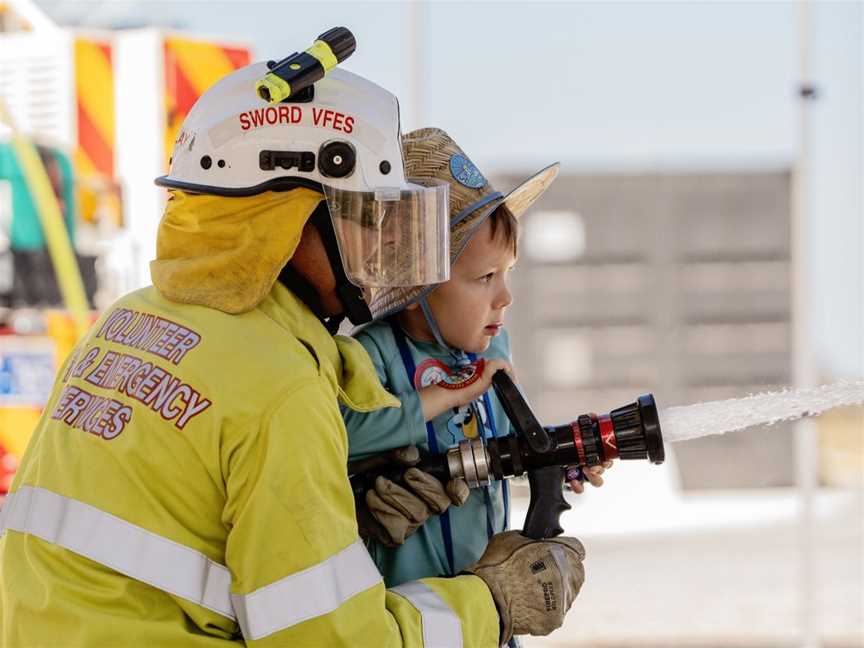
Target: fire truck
87,120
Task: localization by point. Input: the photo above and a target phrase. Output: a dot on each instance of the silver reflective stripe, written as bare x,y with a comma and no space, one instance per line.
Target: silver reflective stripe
120,545
184,572
304,595
441,627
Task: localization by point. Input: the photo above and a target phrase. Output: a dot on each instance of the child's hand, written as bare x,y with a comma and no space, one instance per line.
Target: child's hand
475,390
592,474
437,399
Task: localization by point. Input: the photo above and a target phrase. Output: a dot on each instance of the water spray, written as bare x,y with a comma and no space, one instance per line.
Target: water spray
768,408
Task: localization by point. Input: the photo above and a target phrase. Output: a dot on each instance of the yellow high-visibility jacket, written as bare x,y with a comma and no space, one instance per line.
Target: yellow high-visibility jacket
186,486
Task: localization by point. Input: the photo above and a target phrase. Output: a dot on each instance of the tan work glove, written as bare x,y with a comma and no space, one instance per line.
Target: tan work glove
533,582
391,512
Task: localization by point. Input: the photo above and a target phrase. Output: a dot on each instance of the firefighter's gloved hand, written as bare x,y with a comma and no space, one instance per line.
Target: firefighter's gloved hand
391,512
533,582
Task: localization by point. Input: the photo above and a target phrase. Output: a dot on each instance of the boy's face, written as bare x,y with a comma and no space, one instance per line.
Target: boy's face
469,308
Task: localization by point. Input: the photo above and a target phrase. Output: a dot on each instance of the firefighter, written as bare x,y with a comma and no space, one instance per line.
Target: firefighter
186,484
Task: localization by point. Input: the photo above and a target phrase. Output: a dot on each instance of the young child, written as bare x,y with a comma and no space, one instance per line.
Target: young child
437,351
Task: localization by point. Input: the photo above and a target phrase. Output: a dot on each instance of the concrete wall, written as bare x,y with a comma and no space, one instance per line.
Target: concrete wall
681,289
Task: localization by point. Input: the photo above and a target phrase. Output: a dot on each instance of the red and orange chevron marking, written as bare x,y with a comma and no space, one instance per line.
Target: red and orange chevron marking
192,66
94,91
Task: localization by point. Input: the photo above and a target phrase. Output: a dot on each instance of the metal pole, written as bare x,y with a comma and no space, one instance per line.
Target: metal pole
417,72
806,440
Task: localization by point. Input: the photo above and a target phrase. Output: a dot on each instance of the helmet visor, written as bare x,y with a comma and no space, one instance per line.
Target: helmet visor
393,236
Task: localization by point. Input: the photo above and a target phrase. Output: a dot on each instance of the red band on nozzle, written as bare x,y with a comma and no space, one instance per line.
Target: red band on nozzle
607,437
577,441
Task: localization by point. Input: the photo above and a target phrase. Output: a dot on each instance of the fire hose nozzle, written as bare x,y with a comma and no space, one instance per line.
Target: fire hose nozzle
651,428
629,432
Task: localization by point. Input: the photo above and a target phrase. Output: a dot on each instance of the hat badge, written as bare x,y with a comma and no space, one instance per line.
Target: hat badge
465,173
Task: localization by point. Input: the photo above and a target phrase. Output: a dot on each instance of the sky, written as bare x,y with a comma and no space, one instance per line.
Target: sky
611,86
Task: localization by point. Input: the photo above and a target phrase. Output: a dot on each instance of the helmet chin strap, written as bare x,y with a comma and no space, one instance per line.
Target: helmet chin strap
460,356
349,295
305,292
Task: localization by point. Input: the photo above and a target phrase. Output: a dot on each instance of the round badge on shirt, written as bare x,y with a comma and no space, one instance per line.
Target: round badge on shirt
434,372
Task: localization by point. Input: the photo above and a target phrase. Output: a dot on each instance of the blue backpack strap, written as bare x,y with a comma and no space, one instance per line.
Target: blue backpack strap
431,439
411,369
505,486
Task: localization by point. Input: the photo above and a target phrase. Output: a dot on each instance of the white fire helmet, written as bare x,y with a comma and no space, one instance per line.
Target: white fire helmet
344,140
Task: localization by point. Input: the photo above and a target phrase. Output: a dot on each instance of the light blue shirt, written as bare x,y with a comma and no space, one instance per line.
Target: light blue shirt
424,553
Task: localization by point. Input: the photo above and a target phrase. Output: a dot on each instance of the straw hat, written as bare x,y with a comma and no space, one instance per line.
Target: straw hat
431,153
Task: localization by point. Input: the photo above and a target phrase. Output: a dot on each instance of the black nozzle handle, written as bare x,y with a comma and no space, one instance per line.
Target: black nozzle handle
519,412
547,503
